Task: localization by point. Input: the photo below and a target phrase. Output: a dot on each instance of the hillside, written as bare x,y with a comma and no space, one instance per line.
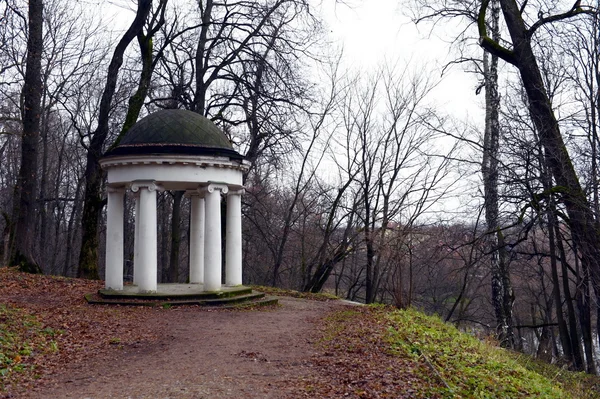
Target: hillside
52,341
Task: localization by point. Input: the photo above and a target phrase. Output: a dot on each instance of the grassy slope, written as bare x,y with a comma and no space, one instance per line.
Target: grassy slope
379,351
427,358
468,367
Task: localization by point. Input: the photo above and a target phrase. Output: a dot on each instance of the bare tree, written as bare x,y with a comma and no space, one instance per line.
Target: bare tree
240,64
22,232
399,172
156,21
581,217
93,202
502,295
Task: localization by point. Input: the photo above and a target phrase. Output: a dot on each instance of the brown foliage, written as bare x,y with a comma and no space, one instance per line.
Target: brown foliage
81,330
356,362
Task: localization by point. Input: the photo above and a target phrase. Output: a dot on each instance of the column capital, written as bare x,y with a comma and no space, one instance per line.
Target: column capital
215,186
148,184
236,191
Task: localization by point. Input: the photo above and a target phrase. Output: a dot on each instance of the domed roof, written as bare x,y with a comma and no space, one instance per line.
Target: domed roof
174,131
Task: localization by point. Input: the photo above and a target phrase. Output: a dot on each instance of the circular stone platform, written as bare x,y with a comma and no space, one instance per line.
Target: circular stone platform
181,294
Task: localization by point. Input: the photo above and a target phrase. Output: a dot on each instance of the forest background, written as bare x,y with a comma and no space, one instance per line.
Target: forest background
365,182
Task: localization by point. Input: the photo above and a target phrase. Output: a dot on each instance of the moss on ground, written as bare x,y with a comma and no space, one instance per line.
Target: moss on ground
22,338
470,368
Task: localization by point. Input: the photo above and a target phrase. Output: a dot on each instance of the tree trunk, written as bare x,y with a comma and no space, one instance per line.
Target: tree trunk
595,122
317,279
502,296
581,218
325,267
545,337
563,330
583,299
145,42
201,59
572,318
72,231
581,221
22,234
370,281
5,241
43,214
93,202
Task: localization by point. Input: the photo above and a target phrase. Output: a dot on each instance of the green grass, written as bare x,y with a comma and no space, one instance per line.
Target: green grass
469,368
21,338
579,385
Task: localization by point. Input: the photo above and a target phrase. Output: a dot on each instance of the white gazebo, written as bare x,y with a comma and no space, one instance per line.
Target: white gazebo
175,150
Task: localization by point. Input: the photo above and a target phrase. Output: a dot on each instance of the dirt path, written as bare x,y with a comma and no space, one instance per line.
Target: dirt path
204,354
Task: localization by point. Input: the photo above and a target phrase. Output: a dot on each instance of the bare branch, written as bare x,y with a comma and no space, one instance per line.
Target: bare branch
487,43
575,11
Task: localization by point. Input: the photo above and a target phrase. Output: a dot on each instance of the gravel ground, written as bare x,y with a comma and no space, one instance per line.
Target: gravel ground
264,353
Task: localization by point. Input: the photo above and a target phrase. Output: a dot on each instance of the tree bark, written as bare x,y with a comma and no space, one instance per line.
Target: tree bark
93,202
42,246
583,299
201,59
581,219
145,42
22,234
502,296
563,331
572,318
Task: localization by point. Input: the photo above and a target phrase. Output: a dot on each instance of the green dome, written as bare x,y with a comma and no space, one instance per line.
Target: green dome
174,131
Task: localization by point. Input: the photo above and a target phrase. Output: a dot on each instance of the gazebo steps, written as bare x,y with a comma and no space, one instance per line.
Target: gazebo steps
246,301
175,291
241,299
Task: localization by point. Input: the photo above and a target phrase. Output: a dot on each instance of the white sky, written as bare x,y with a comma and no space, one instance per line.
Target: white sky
376,31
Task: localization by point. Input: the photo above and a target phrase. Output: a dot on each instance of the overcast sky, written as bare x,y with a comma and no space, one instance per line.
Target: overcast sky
377,31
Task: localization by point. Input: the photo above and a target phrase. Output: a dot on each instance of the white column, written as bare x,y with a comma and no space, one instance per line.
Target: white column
114,239
233,239
196,238
147,266
212,238
136,238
